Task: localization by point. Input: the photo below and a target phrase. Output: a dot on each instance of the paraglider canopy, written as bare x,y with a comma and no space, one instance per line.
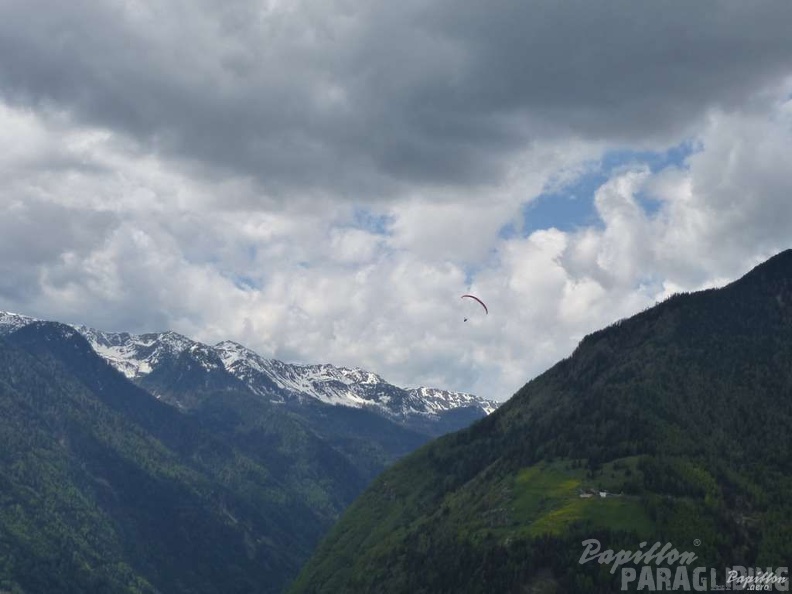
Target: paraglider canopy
479,301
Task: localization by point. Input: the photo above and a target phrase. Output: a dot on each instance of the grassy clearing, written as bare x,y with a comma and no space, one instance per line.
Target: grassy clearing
547,499
543,488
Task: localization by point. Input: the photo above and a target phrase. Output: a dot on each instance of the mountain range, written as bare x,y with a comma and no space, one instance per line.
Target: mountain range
672,427
225,364
155,463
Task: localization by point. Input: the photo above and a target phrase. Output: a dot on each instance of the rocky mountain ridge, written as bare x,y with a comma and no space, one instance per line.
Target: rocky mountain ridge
137,355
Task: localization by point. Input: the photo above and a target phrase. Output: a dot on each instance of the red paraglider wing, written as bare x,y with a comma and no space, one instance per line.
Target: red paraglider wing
479,300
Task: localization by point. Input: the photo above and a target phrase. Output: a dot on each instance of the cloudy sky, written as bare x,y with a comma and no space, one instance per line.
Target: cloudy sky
321,180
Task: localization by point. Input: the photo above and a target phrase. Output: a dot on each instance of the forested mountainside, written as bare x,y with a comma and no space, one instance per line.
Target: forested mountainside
680,416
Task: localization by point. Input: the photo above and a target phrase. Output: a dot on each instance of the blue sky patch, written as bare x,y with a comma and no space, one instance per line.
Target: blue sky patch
572,206
246,283
372,222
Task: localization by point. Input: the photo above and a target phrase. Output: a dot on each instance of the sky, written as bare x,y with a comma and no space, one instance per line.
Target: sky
321,180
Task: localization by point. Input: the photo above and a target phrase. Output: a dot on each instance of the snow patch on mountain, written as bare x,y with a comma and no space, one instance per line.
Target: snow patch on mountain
13,321
441,400
136,355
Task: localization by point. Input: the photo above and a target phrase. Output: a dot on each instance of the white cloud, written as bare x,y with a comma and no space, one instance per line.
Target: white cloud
354,246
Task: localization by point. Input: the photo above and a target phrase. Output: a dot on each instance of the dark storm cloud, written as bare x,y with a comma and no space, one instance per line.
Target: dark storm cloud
364,98
618,70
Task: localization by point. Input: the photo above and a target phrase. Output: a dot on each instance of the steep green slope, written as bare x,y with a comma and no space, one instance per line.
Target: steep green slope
105,489
685,410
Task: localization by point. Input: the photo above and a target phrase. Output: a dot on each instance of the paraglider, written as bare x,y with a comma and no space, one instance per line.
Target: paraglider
484,305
